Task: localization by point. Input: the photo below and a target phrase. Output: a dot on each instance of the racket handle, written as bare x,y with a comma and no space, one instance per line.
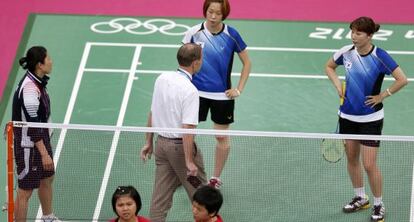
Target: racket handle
341,101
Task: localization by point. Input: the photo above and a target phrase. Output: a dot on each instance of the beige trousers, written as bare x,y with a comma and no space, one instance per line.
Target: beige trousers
170,173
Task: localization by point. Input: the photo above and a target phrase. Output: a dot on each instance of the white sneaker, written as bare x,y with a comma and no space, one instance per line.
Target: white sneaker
50,218
378,213
357,203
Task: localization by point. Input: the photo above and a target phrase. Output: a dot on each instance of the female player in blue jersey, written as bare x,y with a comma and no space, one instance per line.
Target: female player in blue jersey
362,111
219,42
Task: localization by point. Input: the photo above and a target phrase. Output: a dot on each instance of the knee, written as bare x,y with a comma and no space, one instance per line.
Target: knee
223,143
157,216
222,139
370,167
24,195
353,161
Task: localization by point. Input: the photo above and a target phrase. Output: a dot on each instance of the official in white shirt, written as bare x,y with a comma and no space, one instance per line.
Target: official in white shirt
175,104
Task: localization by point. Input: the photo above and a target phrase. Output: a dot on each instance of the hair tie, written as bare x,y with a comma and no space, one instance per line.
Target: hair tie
23,62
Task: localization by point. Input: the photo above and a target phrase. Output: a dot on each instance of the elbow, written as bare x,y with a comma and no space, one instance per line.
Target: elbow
405,82
328,70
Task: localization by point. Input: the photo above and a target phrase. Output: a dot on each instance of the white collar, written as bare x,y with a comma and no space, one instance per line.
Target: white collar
189,76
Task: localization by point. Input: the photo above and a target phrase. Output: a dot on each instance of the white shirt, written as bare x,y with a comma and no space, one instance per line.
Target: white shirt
175,102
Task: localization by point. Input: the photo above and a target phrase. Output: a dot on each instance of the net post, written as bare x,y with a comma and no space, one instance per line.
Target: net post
10,173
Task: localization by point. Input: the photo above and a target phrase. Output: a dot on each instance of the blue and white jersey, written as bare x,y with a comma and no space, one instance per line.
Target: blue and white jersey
364,77
218,52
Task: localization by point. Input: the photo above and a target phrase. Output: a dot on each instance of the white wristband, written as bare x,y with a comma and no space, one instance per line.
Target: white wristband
388,92
238,91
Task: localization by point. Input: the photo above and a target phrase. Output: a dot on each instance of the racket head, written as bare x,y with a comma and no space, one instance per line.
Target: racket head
332,149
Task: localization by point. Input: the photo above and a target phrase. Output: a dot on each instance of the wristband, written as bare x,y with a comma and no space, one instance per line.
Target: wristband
238,91
388,92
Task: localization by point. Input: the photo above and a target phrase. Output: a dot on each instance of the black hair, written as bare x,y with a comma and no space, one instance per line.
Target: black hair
34,56
364,24
188,53
129,191
210,198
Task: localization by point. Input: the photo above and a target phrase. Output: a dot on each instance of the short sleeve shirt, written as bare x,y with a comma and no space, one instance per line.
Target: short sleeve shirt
364,77
175,102
218,53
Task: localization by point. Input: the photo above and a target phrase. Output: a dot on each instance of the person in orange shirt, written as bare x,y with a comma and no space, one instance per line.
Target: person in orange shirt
126,203
207,201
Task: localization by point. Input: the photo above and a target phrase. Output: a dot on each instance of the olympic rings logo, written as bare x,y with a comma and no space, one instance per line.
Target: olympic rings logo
136,27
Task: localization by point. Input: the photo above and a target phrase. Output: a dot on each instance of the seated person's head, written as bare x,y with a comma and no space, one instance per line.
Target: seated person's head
126,202
206,203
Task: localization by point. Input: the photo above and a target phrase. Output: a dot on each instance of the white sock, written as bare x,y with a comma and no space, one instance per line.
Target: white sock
377,201
49,216
360,192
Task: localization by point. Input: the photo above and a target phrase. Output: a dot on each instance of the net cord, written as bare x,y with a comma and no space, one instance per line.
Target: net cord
215,132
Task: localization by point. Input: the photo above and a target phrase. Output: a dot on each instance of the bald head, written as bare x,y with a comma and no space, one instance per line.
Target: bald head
188,53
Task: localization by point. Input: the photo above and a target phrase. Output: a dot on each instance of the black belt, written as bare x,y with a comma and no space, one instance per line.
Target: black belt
167,138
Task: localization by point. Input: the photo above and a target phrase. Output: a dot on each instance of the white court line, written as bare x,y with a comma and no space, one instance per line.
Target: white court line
412,198
268,75
281,49
69,111
115,139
